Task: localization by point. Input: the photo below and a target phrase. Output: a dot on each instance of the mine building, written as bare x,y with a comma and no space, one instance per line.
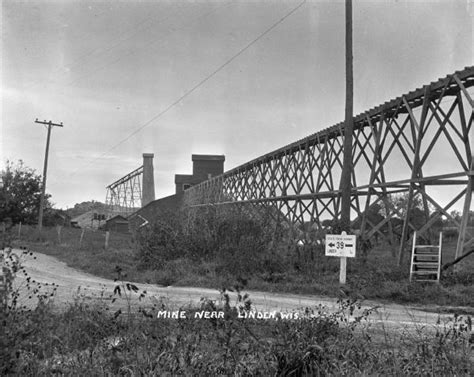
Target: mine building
204,168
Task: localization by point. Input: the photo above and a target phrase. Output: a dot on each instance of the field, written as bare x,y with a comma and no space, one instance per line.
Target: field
376,277
91,338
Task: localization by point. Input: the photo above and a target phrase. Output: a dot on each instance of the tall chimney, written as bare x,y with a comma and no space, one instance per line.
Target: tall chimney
148,184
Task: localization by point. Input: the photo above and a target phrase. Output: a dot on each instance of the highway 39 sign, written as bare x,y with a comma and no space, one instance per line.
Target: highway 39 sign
340,245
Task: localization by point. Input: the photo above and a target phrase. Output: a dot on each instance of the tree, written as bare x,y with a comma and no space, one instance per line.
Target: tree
20,194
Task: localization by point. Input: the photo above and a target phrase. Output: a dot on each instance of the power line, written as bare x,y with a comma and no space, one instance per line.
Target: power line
203,81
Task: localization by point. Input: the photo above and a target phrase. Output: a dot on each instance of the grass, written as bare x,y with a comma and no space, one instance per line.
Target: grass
86,339
90,255
376,277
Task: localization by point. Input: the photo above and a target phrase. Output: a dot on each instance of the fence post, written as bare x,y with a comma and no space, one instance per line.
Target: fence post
58,229
107,235
82,236
3,284
19,230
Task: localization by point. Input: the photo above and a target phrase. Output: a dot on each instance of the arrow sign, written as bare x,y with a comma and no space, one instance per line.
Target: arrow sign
340,245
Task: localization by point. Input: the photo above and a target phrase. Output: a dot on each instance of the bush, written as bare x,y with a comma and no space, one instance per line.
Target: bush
242,242
172,271
462,278
90,340
86,341
157,244
238,243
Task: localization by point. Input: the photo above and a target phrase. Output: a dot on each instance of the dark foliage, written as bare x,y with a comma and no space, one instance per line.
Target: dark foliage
20,194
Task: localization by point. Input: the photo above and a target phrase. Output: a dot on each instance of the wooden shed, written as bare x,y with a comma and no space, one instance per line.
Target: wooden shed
117,224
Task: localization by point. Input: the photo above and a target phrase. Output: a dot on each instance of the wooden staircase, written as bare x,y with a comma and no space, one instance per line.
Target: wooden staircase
426,261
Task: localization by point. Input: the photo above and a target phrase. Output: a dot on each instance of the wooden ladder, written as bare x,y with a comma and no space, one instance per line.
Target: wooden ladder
426,261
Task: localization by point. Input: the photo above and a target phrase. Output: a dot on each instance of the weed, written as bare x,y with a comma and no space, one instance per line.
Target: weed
222,245
88,340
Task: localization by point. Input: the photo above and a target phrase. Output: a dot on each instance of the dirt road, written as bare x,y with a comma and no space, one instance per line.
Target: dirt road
80,285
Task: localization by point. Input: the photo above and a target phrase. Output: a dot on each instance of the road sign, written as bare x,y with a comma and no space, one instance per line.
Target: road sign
340,245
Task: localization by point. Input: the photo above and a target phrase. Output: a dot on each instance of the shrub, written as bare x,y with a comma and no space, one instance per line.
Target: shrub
172,271
90,340
157,244
462,277
238,243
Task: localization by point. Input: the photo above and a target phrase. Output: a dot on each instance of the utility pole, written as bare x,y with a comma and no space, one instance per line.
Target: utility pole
345,185
45,170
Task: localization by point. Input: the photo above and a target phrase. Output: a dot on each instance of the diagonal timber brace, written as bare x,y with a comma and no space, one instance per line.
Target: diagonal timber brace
124,196
416,145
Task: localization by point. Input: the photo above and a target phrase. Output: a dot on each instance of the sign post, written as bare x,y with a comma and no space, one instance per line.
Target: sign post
342,270
342,246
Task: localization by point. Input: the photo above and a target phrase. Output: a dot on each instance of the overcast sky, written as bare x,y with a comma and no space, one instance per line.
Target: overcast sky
113,73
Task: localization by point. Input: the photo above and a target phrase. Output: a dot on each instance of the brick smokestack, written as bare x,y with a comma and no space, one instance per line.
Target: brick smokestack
148,184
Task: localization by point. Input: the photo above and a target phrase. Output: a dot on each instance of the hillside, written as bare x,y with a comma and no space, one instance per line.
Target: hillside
89,206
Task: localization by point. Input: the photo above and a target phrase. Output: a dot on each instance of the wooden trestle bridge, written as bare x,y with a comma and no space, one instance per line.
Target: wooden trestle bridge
124,196
418,145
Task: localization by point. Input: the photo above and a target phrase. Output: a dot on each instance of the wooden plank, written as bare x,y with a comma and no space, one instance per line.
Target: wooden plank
465,215
453,145
465,128
464,90
425,180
